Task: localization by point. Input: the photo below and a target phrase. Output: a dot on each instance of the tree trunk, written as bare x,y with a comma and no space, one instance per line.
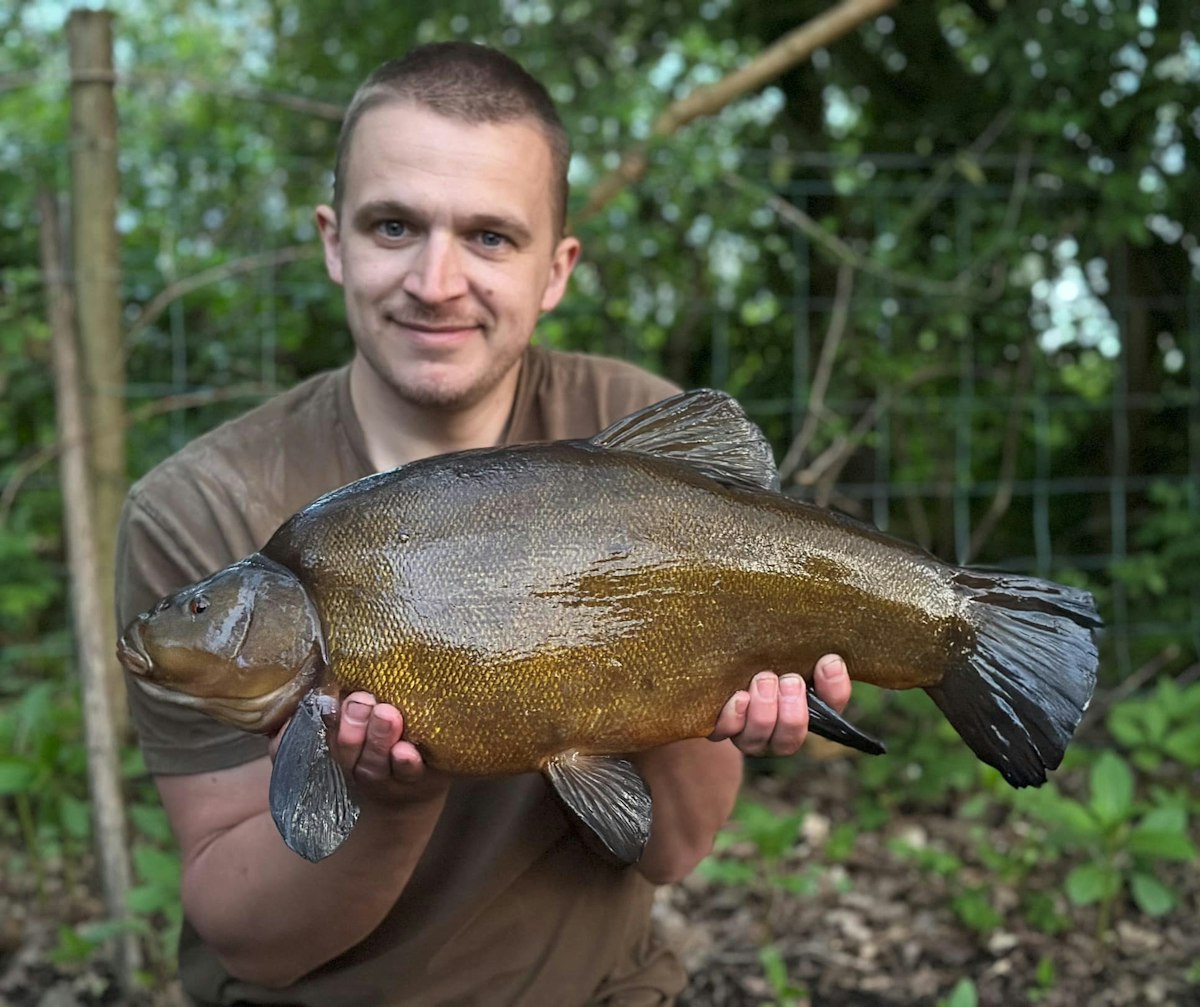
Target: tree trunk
96,258
91,613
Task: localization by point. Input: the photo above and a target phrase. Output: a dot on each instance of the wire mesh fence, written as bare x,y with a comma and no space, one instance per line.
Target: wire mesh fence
1014,427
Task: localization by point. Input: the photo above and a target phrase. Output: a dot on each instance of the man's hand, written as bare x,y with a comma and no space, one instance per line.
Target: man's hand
365,740
771,718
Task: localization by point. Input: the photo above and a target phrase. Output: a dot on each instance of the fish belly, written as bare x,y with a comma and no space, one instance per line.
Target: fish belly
609,603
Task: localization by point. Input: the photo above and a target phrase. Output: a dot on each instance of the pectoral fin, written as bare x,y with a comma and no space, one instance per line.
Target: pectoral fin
310,803
609,796
825,721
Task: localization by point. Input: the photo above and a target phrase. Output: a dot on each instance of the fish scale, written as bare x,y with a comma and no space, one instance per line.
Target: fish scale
555,607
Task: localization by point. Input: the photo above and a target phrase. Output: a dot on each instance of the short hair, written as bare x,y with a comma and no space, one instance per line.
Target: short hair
464,81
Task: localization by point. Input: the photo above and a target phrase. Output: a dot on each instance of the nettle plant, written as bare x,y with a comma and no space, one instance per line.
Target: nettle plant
1122,843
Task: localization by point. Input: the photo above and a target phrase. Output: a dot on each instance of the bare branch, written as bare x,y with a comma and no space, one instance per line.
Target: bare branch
795,46
186,400
16,81
22,472
247,264
932,192
87,607
820,383
838,250
823,471
193,400
292,102
1146,673
1008,454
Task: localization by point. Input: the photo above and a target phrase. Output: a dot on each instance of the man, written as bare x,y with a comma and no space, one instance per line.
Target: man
446,233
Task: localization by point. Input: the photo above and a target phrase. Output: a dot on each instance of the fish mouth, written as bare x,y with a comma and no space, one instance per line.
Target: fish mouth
261,714
132,654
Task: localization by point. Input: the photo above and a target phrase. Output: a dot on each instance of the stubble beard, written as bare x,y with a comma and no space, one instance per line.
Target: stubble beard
433,392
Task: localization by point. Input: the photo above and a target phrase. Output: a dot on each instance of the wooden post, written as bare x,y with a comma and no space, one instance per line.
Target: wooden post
90,613
96,270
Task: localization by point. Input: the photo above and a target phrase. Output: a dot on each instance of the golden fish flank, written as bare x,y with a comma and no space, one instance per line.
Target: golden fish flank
549,607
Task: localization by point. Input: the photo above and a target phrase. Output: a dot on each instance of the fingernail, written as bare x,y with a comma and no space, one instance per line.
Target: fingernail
765,686
791,687
830,668
356,713
741,703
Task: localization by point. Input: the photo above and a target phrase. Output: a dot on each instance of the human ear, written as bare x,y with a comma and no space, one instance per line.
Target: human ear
566,254
331,240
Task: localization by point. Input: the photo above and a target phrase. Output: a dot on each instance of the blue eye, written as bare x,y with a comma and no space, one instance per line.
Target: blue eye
490,239
392,228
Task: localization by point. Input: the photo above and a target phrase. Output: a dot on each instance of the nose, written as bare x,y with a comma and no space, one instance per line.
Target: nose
436,273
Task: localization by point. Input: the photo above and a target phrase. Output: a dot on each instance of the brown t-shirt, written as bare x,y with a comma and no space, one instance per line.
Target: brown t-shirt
507,905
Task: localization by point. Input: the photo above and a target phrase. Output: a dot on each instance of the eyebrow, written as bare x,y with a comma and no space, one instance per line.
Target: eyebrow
366,214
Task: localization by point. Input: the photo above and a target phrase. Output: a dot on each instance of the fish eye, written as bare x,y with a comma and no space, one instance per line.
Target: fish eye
198,604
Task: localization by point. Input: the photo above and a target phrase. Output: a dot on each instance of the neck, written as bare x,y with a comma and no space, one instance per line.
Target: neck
398,431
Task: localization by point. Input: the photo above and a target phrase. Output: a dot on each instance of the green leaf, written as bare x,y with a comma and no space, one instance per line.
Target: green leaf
1112,789
147,899
75,817
964,994
1151,895
17,776
771,959
1161,844
156,867
1184,744
1090,883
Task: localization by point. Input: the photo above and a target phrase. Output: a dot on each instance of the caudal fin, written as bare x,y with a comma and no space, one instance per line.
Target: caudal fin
1018,696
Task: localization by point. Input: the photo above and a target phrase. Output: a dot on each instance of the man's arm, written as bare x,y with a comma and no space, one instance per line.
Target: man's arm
271,916
694,783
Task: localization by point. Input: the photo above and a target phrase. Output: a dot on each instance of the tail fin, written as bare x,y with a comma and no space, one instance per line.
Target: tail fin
1020,693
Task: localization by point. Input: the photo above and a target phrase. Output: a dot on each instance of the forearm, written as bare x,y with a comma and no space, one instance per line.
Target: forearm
693,785
316,911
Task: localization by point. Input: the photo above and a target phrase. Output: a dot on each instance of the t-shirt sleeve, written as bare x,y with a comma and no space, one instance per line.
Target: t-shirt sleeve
157,554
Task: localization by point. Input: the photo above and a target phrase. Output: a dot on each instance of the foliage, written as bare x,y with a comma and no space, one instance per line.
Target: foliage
1013,191
1121,841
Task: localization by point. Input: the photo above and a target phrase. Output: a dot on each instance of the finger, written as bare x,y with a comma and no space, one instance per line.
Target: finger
832,681
791,724
761,714
352,728
732,718
383,731
407,766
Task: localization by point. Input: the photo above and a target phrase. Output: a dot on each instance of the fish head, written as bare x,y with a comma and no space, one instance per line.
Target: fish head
242,645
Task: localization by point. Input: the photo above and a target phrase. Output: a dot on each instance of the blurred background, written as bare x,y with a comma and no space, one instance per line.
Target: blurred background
948,261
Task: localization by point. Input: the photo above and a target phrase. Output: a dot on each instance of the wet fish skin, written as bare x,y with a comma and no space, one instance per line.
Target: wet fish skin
540,606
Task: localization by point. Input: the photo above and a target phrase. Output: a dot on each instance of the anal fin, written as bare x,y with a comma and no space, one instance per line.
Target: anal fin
310,803
825,721
609,796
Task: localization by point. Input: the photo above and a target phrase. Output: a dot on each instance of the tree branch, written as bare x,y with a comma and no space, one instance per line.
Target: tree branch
1008,454
824,469
820,383
795,46
247,264
840,251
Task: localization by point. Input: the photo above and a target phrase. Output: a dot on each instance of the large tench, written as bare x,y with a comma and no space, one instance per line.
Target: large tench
552,607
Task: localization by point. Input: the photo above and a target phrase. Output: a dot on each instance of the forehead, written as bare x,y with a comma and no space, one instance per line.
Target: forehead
404,150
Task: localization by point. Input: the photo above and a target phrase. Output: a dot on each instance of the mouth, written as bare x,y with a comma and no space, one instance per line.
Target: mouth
438,334
132,654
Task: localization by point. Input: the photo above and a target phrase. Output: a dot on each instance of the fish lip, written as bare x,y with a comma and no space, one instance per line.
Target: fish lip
132,654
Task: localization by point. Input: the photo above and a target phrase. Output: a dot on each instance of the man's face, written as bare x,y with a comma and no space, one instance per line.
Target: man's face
447,249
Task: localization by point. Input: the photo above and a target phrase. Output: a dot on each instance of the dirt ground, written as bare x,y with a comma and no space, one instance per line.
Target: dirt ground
878,926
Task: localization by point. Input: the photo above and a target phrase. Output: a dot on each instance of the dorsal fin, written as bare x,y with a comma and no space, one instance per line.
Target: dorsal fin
704,428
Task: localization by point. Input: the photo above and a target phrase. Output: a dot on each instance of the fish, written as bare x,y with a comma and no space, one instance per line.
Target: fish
557,607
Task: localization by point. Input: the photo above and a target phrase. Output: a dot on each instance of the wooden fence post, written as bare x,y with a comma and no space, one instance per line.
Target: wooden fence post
96,274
